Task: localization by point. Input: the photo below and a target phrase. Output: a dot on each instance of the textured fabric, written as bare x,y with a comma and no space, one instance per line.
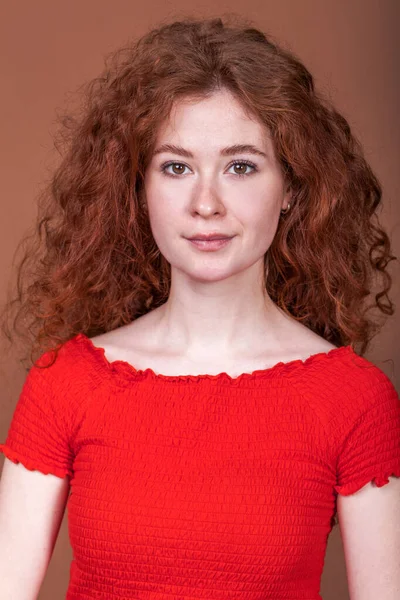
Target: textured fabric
189,487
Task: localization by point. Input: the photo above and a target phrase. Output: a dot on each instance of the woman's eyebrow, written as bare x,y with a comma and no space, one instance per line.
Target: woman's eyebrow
228,151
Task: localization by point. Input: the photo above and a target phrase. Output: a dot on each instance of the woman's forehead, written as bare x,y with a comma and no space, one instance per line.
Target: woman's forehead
211,120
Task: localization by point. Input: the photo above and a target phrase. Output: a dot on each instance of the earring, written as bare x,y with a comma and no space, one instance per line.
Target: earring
286,210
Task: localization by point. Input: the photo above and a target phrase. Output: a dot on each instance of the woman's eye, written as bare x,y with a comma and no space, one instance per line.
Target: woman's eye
174,164
242,165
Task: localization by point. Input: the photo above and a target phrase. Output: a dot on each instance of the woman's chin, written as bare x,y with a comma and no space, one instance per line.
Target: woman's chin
207,274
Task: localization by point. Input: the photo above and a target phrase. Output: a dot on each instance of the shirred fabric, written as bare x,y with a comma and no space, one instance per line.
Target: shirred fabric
359,457
42,424
204,486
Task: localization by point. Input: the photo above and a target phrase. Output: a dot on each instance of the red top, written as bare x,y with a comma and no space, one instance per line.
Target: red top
204,486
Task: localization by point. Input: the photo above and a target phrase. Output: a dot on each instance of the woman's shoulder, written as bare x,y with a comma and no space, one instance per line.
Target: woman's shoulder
344,386
69,365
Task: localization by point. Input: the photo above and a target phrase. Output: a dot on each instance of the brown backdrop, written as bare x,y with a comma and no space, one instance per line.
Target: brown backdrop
49,48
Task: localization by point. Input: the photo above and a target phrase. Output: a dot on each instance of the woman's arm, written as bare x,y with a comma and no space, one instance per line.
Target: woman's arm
369,522
32,506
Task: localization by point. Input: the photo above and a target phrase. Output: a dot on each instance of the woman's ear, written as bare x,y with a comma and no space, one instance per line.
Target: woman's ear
288,196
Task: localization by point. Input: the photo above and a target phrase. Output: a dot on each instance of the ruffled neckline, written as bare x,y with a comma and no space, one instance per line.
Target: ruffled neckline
126,370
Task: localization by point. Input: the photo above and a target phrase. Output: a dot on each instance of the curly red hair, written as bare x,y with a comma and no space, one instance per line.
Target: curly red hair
100,268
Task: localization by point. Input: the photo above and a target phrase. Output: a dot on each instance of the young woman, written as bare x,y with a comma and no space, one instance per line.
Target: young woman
197,401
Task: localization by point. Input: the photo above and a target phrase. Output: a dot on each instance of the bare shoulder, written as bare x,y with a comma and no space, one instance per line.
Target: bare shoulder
303,349
320,344
300,342
132,342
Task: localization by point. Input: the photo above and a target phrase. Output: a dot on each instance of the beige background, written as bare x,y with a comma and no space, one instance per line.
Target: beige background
49,48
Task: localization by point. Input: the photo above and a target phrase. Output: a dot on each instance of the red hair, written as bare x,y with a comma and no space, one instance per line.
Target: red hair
99,267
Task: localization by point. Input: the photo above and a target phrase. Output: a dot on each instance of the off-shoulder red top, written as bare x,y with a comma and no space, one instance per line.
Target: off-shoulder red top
204,486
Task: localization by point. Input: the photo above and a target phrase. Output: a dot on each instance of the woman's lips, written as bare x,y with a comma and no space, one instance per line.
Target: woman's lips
210,245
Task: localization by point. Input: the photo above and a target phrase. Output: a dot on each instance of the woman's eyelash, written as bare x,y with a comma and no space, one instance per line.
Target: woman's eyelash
236,162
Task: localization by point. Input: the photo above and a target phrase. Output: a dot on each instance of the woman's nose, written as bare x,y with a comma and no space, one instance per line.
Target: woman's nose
207,200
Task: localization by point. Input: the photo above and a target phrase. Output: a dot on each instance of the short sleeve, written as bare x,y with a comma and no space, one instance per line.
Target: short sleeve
370,450
38,434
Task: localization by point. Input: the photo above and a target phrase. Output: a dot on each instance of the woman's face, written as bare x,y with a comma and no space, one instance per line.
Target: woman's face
204,185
